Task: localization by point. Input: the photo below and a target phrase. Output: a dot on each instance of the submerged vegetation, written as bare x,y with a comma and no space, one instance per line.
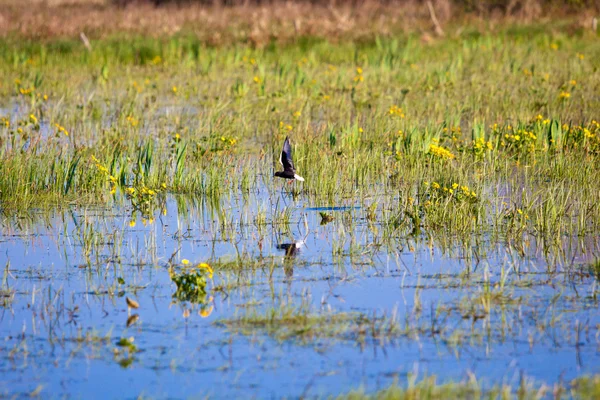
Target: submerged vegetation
448,219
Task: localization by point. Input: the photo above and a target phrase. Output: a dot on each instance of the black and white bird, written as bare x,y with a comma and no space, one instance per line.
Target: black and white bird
291,249
289,172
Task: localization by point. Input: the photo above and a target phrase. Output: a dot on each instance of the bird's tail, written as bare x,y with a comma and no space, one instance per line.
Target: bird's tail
298,177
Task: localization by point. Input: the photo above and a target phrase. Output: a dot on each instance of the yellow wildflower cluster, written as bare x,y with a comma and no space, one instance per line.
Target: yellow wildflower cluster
359,75
522,139
480,146
455,191
396,111
587,137
440,152
61,129
132,121
257,79
137,87
106,172
453,129
247,60
33,119
516,215
26,91
204,267
454,133
285,127
564,95
142,197
228,141
4,121
143,190
540,119
302,61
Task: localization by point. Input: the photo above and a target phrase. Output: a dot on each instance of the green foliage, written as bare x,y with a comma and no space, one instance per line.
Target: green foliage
191,287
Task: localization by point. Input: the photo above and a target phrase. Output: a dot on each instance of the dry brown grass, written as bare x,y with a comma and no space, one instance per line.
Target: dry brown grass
250,22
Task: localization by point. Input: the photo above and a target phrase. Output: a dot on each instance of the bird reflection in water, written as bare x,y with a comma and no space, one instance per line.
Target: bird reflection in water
291,251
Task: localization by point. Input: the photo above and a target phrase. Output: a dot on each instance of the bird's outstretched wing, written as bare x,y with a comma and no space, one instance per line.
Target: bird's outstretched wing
286,157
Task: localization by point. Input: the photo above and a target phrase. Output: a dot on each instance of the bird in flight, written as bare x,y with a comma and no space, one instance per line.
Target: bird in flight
289,172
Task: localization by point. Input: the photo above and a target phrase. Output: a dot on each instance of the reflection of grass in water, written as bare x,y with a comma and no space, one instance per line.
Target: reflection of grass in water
284,323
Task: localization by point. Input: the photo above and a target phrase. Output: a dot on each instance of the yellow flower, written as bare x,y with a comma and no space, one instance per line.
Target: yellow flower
257,79
440,152
359,70
33,119
132,120
554,46
132,223
395,110
208,268
205,312
174,89
185,261
564,95
573,82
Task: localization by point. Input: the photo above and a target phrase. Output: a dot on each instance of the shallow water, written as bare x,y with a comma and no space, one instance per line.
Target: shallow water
68,274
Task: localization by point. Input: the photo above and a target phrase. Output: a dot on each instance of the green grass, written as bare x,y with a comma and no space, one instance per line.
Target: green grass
429,388
461,136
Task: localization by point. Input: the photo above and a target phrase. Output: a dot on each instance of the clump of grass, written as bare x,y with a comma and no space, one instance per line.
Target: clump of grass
6,297
291,323
587,387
